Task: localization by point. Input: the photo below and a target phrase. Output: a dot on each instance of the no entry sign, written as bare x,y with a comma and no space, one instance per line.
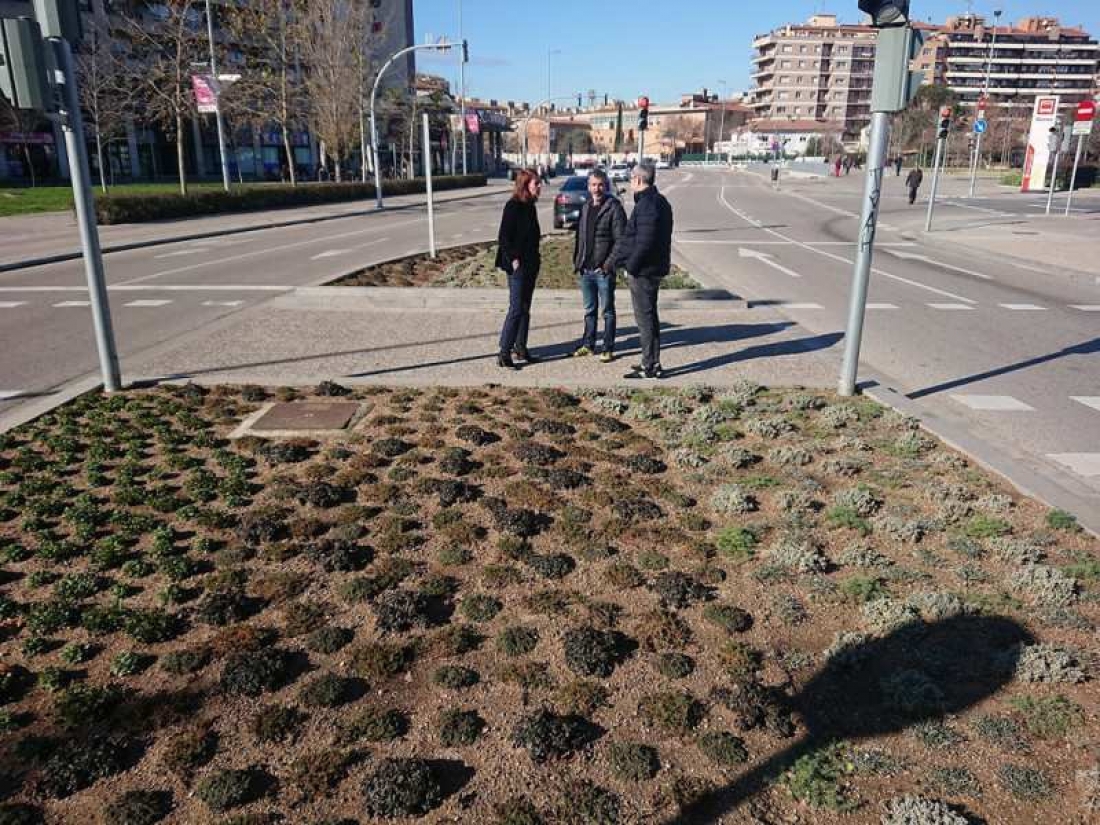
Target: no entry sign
1082,119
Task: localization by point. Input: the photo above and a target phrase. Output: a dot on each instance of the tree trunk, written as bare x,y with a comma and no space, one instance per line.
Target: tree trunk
99,156
30,165
180,154
289,156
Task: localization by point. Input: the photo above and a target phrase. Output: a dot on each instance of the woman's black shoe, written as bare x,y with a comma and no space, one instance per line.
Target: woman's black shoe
524,355
506,362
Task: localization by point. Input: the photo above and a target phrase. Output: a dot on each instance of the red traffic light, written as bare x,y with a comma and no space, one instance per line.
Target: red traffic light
643,102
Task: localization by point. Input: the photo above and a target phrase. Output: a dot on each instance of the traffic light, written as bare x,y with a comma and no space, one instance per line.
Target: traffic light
23,79
885,13
643,114
465,51
945,122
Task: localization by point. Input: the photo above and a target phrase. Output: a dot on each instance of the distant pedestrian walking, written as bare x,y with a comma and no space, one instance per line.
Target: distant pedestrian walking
647,257
847,166
837,164
897,166
913,181
518,255
600,231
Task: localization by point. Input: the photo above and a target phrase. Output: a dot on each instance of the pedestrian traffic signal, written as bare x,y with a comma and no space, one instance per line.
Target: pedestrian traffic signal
945,122
885,13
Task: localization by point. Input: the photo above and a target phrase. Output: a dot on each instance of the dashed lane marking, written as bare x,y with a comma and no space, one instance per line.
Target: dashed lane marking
993,403
148,303
1086,307
1083,464
64,304
1022,307
951,307
8,395
11,304
1088,400
797,305
182,252
882,306
222,303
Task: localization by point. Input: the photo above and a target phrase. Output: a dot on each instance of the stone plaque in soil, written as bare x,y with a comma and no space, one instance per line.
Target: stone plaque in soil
307,415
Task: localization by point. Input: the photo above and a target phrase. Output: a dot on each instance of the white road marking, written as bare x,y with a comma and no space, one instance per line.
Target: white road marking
786,243
882,306
11,304
764,258
1086,307
197,251
841,258
1084,464
7,395
63,304
330,253
459,235
995,403
951,307
1022,307
148,303
1088,400
796,305
980,209
909,256
222,303
159,288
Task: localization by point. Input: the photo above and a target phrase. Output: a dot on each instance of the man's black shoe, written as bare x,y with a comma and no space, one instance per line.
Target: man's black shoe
524,355
506,362
654,374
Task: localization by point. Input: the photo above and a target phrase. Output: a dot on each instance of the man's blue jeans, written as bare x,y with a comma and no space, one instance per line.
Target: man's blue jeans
598,288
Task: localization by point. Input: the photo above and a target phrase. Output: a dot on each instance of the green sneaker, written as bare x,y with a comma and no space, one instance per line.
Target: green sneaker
580,352
607,357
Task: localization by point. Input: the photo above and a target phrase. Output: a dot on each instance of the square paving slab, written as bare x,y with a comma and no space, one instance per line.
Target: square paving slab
306,415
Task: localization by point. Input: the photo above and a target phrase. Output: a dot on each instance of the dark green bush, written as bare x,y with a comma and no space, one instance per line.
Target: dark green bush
632,761
18,813
547,735
256,671
592,652
459,727
455,677
80,765
330,690
225,789
112,209
376,725
276,723
723,748
402,787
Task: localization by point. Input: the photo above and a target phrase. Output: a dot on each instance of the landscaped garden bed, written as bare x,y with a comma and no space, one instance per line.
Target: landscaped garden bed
474,265
520,606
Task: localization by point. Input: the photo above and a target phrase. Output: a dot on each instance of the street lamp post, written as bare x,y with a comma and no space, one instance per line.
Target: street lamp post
985,99
439,47
722,123
462,86
217,98
549,97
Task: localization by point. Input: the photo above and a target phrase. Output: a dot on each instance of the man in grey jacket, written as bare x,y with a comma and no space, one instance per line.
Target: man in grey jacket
600,230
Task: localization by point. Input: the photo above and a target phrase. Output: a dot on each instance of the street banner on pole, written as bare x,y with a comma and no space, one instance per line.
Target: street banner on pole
1037,159
206,99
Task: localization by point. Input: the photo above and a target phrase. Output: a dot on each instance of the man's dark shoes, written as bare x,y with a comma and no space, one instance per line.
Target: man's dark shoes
525,355
505,361
654,373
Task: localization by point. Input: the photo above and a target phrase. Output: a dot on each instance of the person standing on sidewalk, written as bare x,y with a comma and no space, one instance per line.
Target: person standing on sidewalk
646,255
600,231
897,166
837,164
518,255
912,182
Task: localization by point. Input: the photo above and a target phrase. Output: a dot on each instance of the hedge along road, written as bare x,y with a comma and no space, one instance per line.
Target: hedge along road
160,293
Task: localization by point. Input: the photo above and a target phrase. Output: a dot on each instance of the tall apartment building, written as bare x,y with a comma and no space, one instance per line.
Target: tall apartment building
1035,56
818,70
146,152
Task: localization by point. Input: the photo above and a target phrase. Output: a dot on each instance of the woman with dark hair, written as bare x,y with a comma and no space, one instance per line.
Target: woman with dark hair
518,256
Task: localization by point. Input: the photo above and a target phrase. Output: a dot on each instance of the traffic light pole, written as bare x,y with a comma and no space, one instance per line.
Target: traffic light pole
72,126
861,275
935,183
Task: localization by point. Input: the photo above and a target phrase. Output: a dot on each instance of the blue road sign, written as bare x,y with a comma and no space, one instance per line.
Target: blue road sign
979,126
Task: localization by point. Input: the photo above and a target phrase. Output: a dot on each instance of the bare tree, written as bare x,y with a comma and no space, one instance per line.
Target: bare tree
105,87
272,88
163,53
22,121
332,33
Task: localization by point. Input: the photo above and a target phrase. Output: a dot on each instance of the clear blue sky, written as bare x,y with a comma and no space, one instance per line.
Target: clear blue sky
673,49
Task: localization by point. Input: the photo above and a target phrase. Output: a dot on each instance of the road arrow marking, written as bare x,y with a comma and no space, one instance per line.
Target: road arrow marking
765,258
912,256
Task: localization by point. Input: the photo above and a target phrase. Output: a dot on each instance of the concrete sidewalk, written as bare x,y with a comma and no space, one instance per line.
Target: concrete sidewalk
48,237
290,340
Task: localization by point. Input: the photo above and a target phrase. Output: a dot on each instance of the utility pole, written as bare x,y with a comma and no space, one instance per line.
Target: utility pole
462,85
218,100
941,144
722,124
549,96
1055,143
428,181
982,101
893,87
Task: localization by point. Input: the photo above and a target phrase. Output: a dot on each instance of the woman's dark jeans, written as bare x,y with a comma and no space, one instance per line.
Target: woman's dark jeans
521,288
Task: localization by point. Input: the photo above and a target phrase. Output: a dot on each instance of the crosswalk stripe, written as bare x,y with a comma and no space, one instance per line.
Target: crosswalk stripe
882,306
1022,307
147,303
1088,400
951,307
11,304
222,303
796,305
7,395
64,304
1086,307
993,403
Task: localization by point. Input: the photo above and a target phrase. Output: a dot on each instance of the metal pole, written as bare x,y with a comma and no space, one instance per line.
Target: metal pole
462,86
218,99
1053,175
1073,177
985,95
73,128
935,183
428,178
641,145
876,160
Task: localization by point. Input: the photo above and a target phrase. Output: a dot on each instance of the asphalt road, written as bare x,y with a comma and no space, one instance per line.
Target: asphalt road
1005,350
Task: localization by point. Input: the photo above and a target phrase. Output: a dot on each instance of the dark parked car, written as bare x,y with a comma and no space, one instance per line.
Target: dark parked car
568,201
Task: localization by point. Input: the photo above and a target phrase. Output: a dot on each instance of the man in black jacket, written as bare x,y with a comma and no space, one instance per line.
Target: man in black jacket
647,256
600,231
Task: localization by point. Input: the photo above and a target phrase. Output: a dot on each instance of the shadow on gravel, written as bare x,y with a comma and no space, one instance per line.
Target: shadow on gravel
1085,348
918,672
